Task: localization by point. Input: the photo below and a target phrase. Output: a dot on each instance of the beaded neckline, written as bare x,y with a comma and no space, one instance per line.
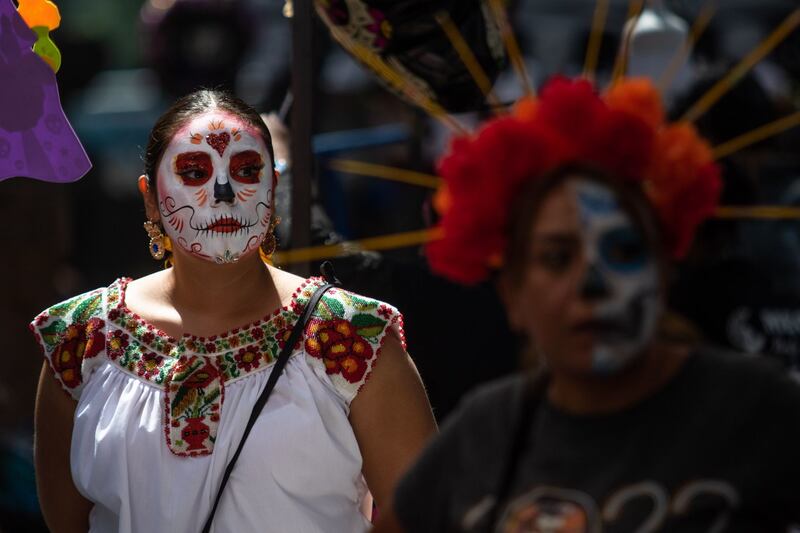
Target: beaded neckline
160,341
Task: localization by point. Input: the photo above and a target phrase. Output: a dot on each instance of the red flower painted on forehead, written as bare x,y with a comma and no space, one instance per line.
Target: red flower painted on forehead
218,141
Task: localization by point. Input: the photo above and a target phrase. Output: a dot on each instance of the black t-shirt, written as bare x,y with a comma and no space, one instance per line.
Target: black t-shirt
716,449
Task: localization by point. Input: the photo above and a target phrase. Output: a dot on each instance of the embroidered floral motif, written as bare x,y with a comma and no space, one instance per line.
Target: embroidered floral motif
342,339
95,339
70,333
150,365
194,391
68,356
339,346
248,358
283,336
116,343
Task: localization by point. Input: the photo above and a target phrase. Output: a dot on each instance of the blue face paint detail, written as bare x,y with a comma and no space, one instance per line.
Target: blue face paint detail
623,250
597,201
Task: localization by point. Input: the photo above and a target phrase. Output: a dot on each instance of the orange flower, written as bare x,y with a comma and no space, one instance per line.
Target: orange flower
678,157
639,97
526,108
442,200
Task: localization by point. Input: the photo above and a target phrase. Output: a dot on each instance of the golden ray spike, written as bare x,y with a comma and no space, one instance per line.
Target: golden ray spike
760,212
372,170
385,242
635,9
698,28
470,61
498,10
595,39
759,134
397,81
791,22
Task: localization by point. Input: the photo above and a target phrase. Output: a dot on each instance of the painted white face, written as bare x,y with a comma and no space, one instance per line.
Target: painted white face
621,278
214,188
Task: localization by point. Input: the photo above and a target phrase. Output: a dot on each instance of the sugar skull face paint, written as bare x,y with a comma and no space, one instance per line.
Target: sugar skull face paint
621,277
213,190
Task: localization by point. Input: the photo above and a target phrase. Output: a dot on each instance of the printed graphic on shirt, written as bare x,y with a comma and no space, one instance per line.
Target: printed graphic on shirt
643,506
551,510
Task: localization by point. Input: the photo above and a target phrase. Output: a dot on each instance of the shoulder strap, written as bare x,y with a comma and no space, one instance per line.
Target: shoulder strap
277,370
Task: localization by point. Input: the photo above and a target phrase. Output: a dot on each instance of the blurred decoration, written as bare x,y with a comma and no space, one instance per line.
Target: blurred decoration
42,17
36,139
196,43
386,38
789,25
288,9
653,39
406,37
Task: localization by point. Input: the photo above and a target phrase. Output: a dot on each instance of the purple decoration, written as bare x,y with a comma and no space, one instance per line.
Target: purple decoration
36,139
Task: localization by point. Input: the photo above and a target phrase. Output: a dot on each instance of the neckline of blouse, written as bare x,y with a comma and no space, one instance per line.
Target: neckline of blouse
122,285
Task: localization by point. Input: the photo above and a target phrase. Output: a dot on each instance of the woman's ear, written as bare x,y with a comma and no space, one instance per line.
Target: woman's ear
147,188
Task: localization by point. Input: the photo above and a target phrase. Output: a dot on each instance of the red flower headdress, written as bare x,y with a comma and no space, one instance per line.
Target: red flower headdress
622,132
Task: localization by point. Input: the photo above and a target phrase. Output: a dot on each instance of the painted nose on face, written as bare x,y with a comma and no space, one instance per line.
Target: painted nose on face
594,285
223,192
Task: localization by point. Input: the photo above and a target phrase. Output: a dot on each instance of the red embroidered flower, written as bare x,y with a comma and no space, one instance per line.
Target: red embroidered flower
283,337
41,319
116,344
257,333
247,359
215,417
210,347
202,377
95,338
297,307
339,346
149,365
148,337
385,311
68,355
113,314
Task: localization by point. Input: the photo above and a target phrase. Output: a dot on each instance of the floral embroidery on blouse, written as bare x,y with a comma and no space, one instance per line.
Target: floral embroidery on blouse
69,334
342,340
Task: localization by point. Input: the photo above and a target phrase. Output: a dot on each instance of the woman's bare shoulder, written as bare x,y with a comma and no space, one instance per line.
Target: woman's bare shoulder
286,283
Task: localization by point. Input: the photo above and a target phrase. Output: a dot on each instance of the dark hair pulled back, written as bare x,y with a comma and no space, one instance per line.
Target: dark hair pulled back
188,107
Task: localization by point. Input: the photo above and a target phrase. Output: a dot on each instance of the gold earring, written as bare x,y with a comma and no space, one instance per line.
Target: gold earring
270,242
159,243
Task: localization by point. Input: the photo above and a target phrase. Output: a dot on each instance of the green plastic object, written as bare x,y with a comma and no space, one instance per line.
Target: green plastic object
45,48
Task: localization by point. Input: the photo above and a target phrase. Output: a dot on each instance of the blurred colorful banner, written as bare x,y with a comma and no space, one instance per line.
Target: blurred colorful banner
36,139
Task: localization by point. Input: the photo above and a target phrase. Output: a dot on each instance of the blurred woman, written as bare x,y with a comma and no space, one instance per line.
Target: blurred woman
162,373
577,205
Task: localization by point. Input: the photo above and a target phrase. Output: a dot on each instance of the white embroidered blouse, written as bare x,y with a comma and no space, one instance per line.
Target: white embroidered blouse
158,418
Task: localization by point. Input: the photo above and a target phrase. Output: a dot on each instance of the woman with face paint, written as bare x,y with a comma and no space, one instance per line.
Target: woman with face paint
576,204
162,373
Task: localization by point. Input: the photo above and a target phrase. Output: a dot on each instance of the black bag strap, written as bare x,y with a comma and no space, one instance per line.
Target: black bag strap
277,370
